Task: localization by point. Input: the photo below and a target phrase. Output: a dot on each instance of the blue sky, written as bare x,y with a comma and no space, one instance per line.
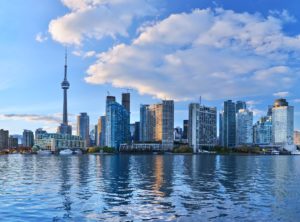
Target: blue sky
240,50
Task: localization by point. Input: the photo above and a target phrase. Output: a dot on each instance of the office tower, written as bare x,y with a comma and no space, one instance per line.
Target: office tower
39,132
244,130
270,107
262,131
297,138
136,137
28,138
132,128
126,101
101,131
178,134
13,142
3,139
83,127
283,123
229,124
221,130
157,123
95,138
185,129
65,128
144,127
117,125
167,124
202,130
240,105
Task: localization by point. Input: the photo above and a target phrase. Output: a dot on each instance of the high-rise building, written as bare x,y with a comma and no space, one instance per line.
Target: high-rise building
240,105
262,131
297,138
167,124
126,101
228,124
117,124
221,130
83,127
39,132
94,136
65,128
178,134
4,134
13,142
28,138
202,126
244,130
185,129
283,123
136,137
157,123
101,127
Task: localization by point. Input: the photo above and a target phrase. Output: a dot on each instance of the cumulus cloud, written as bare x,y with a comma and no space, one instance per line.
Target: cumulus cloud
97,19
213,53
40,37
82,54
281,94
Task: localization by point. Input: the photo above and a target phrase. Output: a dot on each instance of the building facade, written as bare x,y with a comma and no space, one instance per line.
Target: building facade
117,125
202,130
28,138
157,123
228,120
57,141
83,127
101,127
283,123
4,135
297,138
244,127
262,131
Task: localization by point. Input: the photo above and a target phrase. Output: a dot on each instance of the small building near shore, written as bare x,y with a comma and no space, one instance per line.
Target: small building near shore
56,142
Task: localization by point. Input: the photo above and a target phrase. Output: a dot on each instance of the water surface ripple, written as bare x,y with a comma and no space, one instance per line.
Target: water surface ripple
149,187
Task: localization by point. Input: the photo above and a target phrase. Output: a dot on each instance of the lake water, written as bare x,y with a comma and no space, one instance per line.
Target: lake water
149,187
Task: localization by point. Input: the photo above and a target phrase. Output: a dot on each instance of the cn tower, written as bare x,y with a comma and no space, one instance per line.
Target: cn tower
64,128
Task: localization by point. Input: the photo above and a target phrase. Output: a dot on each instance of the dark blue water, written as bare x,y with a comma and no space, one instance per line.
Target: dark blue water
149,187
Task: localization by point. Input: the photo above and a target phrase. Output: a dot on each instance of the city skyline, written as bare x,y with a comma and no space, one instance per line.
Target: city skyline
32,59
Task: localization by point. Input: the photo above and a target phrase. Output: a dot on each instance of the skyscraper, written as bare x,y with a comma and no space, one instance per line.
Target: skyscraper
244,130
185,129
4,134
64,128
101,131
117,124
28,138
240,105
126,101
283,123
136,137
157,123
202,130
229,124
83,127
262,131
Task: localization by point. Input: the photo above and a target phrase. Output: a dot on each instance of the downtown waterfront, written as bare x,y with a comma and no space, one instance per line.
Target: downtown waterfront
149,187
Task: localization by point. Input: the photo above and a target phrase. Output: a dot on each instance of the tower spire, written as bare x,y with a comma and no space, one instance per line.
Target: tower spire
66,62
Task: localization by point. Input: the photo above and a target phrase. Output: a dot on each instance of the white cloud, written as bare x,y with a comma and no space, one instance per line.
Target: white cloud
212,53
97,19
281,94
296,100
32,118
40,37
82,54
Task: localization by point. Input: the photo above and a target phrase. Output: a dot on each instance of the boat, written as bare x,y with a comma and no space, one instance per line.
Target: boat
295,152
78,152
66,152
43,152
274,152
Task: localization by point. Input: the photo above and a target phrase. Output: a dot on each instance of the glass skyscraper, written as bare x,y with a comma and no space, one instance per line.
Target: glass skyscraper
228,120
83,127
244,127
262,131
283,123
117,124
